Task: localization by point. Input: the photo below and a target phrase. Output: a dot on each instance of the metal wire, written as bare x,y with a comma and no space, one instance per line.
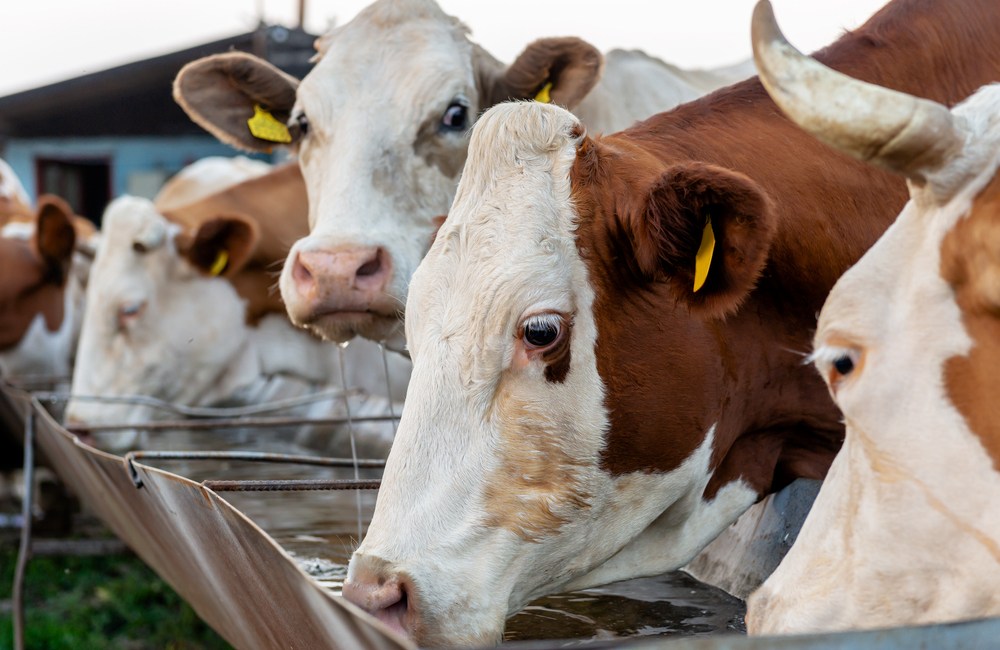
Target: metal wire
24,552
201,411
227,423
298,485
248,456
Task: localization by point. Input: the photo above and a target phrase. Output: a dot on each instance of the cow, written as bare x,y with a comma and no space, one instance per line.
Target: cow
381,128
44,260
205,177
608,335
906,528
180,307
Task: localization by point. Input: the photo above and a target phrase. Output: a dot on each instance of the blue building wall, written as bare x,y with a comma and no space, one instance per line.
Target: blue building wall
128,156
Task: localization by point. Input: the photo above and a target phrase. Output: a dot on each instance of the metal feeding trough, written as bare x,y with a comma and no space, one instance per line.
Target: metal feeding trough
255,594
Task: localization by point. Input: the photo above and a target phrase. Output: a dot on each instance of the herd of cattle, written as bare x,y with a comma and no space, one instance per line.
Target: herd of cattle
607,318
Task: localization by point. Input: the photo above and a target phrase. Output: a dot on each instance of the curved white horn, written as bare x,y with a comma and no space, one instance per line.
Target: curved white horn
905,134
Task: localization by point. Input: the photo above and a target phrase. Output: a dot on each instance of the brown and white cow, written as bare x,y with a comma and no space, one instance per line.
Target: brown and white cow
205,177
381,127
37,304
906,527
608,335
181,307
43,277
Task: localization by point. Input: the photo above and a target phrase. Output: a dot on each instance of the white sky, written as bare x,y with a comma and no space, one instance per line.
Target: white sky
51,40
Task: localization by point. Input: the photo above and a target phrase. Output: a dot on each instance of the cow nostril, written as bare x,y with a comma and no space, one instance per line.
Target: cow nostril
300,272
371,267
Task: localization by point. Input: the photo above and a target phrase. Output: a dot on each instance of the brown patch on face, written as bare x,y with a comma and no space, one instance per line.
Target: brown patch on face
970,262
439,151
538,484
557,360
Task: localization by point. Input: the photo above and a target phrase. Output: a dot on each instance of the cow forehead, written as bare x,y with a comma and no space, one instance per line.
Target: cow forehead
383,67
510,231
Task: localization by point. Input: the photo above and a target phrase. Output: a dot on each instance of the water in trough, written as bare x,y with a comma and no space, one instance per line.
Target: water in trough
319,529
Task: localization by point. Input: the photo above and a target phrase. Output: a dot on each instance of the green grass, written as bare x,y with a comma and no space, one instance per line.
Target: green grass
112,601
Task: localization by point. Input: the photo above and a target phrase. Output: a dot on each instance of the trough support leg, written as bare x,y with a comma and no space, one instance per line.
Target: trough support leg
24,552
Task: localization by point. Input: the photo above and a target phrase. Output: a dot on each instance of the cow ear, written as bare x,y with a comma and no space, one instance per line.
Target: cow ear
221,246
706,231
54,233
241,99
560,70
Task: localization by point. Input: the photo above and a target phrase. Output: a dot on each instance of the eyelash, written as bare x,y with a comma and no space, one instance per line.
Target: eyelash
837,363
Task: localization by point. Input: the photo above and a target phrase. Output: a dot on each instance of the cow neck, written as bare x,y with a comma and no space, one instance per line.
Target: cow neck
669,375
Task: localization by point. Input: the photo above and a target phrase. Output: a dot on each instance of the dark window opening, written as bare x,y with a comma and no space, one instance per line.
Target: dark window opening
84,183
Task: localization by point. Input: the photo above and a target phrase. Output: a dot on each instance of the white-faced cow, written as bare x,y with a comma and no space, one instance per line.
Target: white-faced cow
381,127
181,308
608,335
906,528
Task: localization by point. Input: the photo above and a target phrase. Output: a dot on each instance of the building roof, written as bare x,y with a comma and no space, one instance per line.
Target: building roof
135,99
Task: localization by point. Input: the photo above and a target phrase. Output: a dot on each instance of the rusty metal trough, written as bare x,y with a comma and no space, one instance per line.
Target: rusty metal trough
254,594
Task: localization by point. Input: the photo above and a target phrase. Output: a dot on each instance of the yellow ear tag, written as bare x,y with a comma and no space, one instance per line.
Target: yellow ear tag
543,94
263,125
219,265
703,259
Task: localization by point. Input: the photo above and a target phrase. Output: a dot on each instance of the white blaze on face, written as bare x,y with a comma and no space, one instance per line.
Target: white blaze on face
380,162
904,530
493,493
153,325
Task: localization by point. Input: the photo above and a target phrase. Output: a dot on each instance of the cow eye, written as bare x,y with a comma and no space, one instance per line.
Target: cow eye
139,247
456,118
129,312
844,364
541,331
301,124
837,362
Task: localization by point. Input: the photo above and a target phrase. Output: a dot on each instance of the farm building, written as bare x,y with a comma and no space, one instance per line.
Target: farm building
118,131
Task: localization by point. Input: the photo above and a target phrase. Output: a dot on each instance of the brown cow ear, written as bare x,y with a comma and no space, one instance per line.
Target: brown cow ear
223,92
706,231
572,66
221,246
54,233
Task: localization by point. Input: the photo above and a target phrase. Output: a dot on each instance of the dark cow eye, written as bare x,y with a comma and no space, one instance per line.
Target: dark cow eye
139,247
456,118
843,364
302,124
838,360
542,331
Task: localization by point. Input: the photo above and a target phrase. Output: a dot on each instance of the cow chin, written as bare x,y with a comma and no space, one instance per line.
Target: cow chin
342,326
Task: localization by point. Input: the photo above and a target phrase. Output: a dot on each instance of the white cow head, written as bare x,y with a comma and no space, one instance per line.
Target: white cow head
381,128
905,529
160,319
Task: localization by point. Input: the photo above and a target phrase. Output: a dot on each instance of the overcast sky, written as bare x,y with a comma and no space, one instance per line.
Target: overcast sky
51,40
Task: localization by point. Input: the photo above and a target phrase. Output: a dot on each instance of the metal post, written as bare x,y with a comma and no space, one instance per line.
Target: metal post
24,552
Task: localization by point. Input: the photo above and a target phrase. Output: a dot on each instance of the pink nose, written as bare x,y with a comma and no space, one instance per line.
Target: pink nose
384,598
347,279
